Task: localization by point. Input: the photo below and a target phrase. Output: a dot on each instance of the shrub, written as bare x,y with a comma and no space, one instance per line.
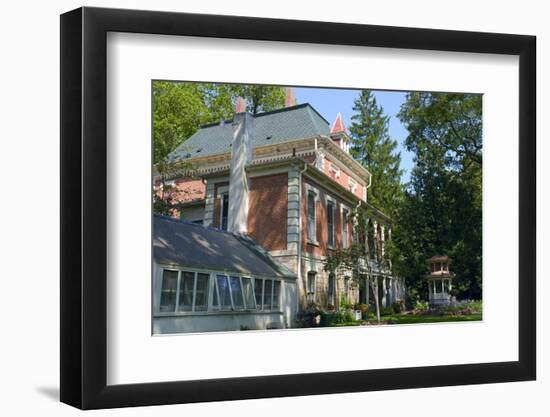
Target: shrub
308,317
421,305
335,318
386,311
349,316
364,308
398,306
325,319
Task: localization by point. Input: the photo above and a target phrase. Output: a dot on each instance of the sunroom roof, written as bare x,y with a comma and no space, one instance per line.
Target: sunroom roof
190,245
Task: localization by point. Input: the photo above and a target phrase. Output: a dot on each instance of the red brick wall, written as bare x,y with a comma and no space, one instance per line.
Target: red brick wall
342,179
184,190
267,214
322,249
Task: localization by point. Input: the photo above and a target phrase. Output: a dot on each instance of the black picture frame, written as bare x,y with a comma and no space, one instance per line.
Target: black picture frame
84,207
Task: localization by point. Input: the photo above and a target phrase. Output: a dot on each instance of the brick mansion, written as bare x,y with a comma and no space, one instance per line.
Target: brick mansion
270,196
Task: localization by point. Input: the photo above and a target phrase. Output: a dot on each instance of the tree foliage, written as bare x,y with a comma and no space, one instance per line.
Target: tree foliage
441,212
449,122
180,108
373,147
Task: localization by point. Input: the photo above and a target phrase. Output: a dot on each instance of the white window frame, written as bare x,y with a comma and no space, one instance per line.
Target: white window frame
222,206
311,235
330,225
160,288
212,287
345,227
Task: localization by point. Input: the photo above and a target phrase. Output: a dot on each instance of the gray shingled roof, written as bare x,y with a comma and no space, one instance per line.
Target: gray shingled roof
176,242
278,126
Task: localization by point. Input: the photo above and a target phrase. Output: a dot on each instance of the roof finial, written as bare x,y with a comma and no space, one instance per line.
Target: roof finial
240,105
338,125
290,98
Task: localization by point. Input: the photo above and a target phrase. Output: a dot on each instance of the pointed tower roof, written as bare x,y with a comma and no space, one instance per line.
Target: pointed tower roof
338,125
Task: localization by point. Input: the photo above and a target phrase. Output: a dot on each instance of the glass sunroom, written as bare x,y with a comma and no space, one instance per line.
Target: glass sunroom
210,280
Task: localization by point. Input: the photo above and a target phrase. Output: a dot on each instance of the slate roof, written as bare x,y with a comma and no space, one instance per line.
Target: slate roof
176,242
277,126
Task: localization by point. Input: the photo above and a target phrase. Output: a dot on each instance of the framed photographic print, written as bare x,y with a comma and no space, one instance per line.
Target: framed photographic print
257,208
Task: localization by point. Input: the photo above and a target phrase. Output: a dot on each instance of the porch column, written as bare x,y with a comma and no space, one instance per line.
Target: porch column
384,292
367,290
375,238
382,239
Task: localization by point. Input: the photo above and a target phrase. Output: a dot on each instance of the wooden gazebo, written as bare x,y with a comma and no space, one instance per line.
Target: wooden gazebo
439,280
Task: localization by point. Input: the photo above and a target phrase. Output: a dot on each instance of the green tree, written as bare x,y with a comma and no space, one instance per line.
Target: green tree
451,122
259,98
373,147
180,108
441,211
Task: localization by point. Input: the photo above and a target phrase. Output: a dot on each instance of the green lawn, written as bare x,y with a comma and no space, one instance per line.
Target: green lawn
410,319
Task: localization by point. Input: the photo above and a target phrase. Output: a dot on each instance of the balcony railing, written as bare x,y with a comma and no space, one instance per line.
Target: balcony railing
374,266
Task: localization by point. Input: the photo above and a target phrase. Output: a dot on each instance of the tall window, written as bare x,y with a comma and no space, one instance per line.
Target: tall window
187,285
248,293
259,290
311,287
224,292
268,288
225,210
201,292
311,232
276,295
237,292
330,223
331,289
345,228
168,291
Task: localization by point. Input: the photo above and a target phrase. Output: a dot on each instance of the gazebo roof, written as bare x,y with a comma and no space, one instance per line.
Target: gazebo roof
439,258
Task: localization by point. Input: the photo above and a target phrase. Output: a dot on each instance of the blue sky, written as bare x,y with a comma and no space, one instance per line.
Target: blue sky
330,101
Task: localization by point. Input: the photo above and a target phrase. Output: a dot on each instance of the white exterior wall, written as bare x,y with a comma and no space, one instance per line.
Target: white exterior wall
209,321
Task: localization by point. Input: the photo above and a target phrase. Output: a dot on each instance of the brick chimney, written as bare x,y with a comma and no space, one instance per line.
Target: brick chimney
241,155
290,98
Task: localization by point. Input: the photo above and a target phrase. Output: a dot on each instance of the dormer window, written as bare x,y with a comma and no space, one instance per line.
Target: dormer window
352,185
334,171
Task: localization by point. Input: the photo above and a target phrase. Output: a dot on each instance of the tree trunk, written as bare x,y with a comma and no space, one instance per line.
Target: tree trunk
374,286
